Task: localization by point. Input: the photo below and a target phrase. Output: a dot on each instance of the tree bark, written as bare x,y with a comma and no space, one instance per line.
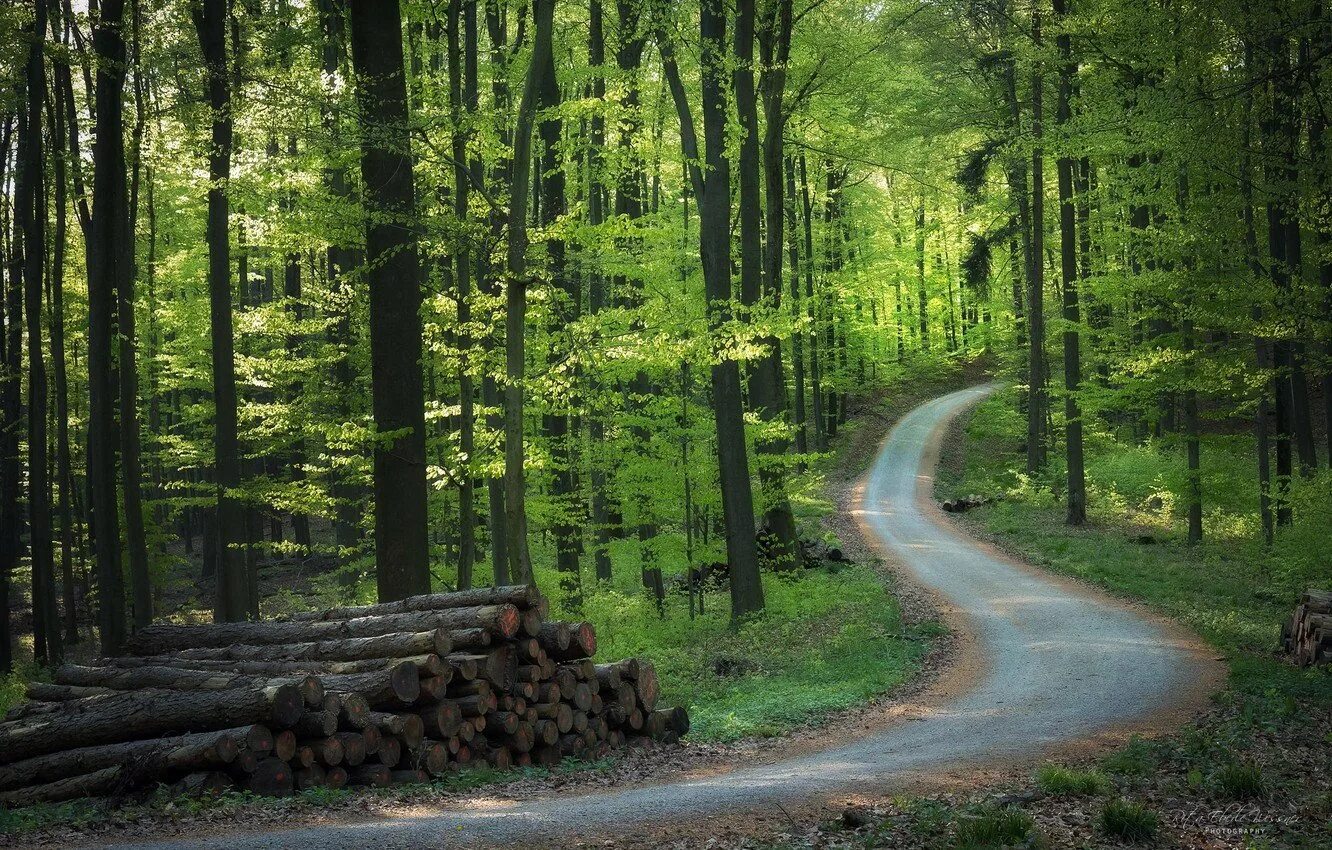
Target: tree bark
1077,478
596,205
234,598
146,713
1036,403
109,262
501,620
393,272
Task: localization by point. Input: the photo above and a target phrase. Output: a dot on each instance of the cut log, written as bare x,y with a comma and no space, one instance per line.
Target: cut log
150,759
500,724
336,777
353,748
433,689
470,639
441,720
327,751
371,736
501,620
532,619
373,775
47,692
408,727
284,744
400,684
498,666
389,751
274,778
152,712
646,685
520,596
395,645
179,679
355,711
428,665
555,636
313,776
304,758
432,757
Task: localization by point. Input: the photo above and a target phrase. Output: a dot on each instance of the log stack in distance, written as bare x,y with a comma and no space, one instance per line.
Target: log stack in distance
1307,635
376,694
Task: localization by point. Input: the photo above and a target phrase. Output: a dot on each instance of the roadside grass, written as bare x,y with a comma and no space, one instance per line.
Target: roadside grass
1231,590
1128,821
993,826
1059,780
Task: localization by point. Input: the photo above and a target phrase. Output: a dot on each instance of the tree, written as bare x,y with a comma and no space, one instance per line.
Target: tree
1068,266
235,597
393,274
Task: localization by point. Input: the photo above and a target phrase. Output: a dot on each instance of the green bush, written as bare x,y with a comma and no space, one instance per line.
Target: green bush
1128,821
993,827
1241,782
1053,779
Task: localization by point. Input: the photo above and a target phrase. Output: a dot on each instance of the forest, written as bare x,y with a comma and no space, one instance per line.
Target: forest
324,303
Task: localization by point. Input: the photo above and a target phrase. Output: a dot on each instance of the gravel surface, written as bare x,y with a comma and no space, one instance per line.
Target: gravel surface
1041,665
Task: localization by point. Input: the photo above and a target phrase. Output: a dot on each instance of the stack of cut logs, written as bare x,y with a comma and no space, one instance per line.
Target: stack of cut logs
397,692
1307,635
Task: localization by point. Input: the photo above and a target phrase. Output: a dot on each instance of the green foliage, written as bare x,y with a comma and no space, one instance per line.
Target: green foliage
11,691
993,827
1240,781
1136,759
1065,781
1129,821
826,641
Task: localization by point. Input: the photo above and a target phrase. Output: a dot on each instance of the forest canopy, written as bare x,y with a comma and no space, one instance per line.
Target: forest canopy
424,294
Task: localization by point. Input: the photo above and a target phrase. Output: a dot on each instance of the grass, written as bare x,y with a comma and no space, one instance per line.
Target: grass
993,827
1064,781
1128,821
1240,781
1231,590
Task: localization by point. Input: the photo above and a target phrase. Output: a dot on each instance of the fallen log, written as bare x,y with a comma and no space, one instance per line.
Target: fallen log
180,679
95,784
182,752
501,620
136,715
47,692
520,596
273,778
408,727
396,645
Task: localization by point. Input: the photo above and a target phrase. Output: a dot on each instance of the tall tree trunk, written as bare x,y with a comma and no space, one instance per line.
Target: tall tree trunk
1036,407
401,547
109,264
922,293
515,497
596,297
30,211
1068,264
488,282
64,475
233,584
11,355
131,463
797,335
346,494
714,197
463,96
563,312
812,313
767,395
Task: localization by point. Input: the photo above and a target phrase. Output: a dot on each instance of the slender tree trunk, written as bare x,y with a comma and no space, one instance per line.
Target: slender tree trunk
713,193
797,336
923,295
11,348
596,205
109,263
233,585
811,307
564,312
393,272
30,212
463,96
767,395
515,504
1036,407
64,476
1077,479
131,463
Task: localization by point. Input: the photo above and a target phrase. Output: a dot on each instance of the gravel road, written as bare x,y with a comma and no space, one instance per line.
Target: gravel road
1052,663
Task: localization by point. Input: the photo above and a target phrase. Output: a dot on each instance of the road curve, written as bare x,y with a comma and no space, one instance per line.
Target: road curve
1058,663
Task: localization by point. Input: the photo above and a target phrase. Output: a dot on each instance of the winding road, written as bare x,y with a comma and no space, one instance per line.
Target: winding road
1046,664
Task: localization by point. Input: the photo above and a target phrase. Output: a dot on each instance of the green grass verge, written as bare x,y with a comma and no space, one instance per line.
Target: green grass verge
1231,590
